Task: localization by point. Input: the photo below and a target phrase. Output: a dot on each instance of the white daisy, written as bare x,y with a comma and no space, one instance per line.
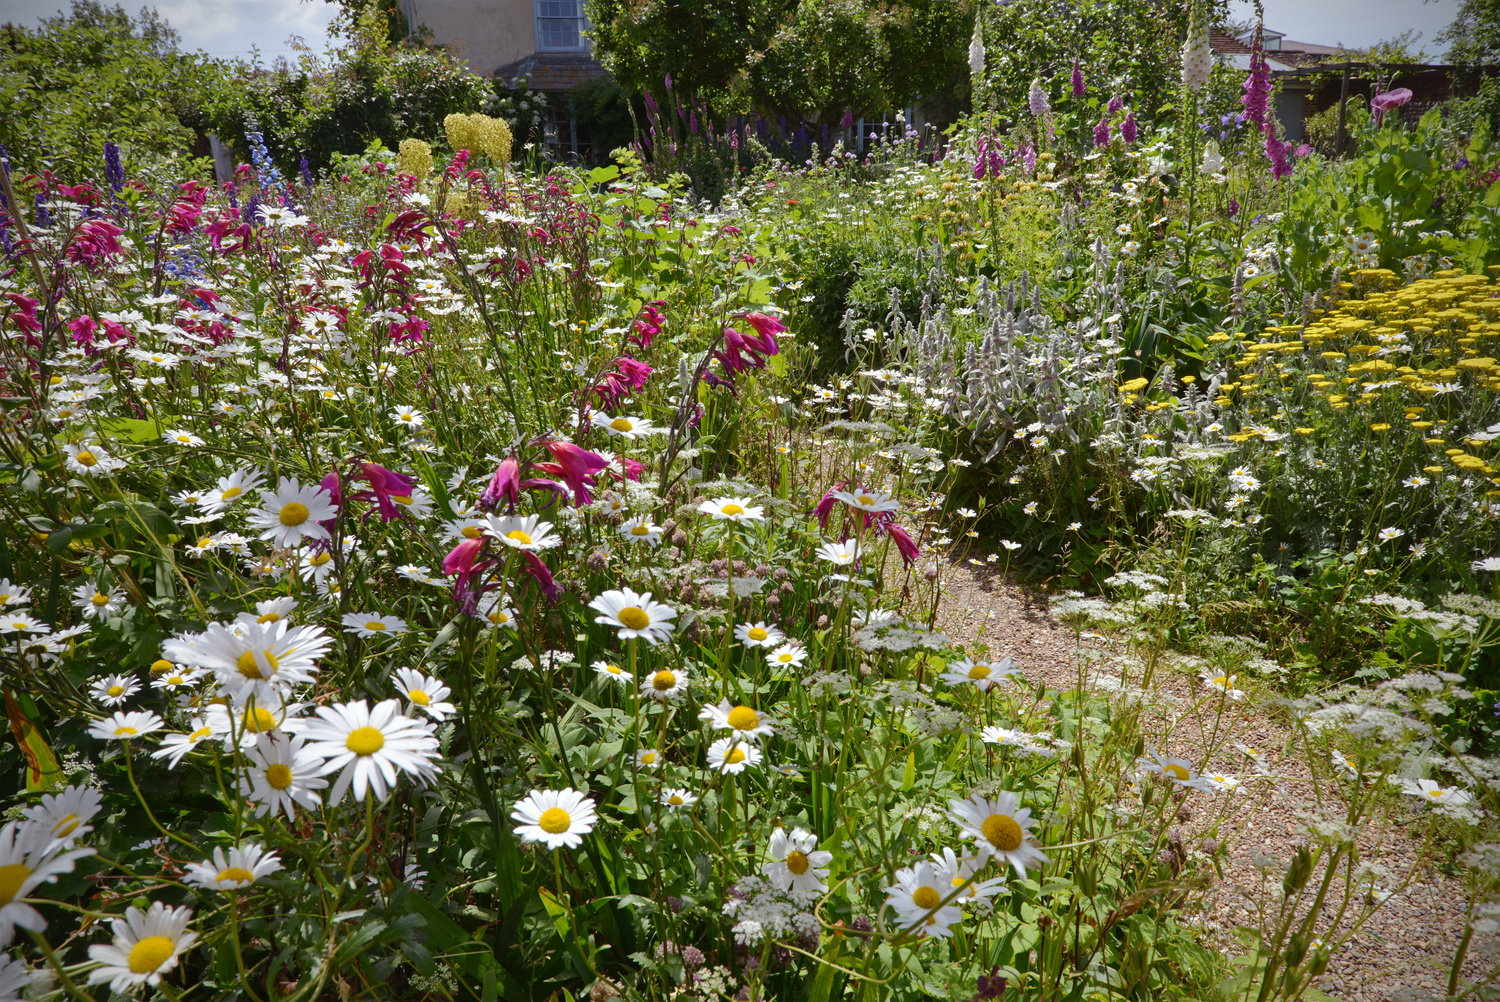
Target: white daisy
259,659
798,866
233,487
744,721
733,755
493,607
241,867
613,672
664,684
28,859
1000,828
280,774
96,602
733,509
179,436
146,946
114,690
65,815
1223,684
290,514
983,675
787,656
13,594
633,614
123,726
1432,792
90,460
917,899
758,634
1179,770
674,797
963,872
648,758
628,428
22,622
521,532
869,502
640,530
175,746
408,417
557,818
367,624
425,693
839,554
371,746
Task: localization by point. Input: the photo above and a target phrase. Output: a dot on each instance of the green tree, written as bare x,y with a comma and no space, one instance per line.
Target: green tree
1474,36
811,60
97,74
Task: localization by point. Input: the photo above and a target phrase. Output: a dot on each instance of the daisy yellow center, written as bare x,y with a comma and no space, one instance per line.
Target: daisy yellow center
204,541
735,756
86,458
676,800
1002,832
279,776
742,718
12,876
184,438
634,617
125,732
663,680
554,821
471,532
293,513
66,826
613,669
621,424
979,671
200,734
639,530
732,509
149,954
229,493
797,862
176,680
926,898
116,690
418,696
757,633
1222,681
865,499
499,618
1177,772
364,741
235,874
259,719
648,758
319,559
270,617
100,599
250,668
519,535
375,625
785,658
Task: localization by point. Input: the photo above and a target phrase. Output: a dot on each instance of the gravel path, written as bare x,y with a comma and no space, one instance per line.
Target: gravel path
1406,947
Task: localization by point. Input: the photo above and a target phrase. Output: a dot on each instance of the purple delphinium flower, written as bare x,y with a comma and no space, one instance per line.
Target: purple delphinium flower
1128,130
1234,208
306,168
1079,90
114,172
43,217
1101,133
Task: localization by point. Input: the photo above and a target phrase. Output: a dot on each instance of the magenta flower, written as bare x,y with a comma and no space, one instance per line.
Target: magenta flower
385,487
1079,90
504,486
576,466
1128,130
1257,85
1101,133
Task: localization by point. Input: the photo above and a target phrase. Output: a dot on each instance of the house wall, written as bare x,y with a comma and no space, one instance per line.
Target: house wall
487,33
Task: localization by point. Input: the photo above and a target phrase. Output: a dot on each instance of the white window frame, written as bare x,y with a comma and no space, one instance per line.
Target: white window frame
583,26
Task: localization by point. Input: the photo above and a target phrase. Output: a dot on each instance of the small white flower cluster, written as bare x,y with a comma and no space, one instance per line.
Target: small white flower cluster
762,909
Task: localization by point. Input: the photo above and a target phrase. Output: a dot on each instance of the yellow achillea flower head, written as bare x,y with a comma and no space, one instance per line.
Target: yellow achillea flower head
479,134
414,157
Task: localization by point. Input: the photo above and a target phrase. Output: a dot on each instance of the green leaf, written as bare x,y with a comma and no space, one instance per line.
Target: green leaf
42,769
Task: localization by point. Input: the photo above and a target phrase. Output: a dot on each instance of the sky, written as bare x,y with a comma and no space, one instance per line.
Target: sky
226,28
230,27
1355,23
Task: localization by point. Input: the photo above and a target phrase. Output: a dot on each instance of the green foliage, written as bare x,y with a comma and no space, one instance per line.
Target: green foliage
808,59
96,74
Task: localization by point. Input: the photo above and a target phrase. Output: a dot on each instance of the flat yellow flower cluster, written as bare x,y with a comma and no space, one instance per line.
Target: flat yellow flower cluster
479,134
414,157
1418,347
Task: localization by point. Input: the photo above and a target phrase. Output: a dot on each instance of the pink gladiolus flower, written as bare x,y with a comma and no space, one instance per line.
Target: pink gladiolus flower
505,486
576,466
534,566
904,543
635,373
385,486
